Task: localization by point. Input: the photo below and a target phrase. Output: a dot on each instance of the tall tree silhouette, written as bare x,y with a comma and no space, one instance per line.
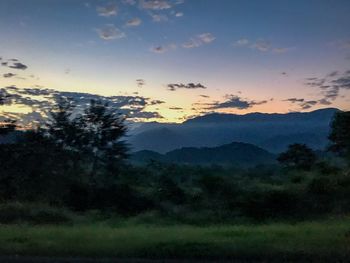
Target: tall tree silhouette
340,134
61,127
101,130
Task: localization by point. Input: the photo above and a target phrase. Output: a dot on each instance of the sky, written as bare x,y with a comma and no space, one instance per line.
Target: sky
170,60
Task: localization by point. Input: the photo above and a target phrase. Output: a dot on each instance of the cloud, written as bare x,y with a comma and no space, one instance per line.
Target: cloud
281,50
333,74
199,40
308,104
175,108
206,38
324,101
108,10
156,102
295,100
18,65
159,17
134,22
241,42
173,87
4,97
147,115
233,101
260,45
304,104
179,14
155,4
42,100
162,49
8,75
110,32
192,43
140,83
158,49
204,96
129,2
331,85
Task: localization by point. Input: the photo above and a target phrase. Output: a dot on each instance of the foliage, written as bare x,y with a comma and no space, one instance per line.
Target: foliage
33,213
78,161
340,135
70,161
298,156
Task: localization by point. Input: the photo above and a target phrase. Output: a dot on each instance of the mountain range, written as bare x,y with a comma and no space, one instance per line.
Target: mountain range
272,132
236,153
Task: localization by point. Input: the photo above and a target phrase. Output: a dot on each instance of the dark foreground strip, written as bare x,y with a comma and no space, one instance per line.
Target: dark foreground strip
23,259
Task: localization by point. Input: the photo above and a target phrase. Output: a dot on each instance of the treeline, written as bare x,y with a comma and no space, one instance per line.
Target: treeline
79,161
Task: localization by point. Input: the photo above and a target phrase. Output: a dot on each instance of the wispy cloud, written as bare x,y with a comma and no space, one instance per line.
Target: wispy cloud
232,102
134,22
140,83
160,49
108,10
260,45
241,42
281,50
129,2
173,87
18,65
159,17
330,85
329,88
302,103
8,75
155,4
110,32
175,108
199,40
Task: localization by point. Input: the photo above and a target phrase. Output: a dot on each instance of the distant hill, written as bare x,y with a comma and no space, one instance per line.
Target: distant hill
265,117
273,132
236,153
155,139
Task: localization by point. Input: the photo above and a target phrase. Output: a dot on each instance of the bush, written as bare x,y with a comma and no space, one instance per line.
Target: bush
11,213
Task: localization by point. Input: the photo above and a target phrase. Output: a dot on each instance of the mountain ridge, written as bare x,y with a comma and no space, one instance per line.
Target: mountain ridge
262,129
234,153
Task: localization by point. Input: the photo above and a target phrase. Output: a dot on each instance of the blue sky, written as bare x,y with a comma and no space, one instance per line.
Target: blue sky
243,56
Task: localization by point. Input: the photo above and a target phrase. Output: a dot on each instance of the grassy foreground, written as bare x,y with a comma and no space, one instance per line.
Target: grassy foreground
311,240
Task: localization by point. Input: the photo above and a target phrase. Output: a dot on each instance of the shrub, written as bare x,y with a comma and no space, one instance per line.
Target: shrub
11,213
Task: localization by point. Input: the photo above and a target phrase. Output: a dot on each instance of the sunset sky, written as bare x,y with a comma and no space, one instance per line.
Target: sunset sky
179,58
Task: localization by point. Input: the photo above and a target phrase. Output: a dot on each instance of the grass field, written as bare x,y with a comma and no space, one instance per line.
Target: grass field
320,241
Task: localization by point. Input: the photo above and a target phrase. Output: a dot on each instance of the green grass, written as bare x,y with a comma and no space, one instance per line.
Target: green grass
309,240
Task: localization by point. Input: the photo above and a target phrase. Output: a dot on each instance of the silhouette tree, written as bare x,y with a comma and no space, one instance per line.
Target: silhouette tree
61,126
101,129
340,134
7,125
298,156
